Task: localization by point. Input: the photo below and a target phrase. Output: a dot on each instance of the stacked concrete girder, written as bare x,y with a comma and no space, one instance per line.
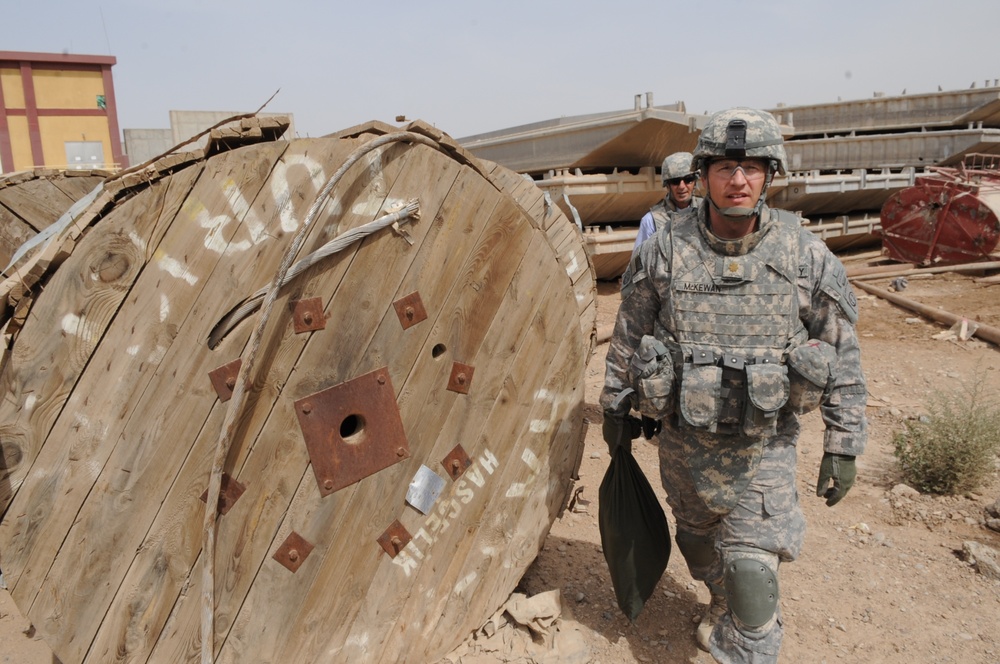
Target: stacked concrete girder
611,156
845,159
882,114
863,150
600,168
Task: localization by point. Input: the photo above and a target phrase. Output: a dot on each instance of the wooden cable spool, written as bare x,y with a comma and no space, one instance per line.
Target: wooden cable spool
459,356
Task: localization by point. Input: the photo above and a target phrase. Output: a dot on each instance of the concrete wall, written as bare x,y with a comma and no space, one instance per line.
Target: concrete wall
141,145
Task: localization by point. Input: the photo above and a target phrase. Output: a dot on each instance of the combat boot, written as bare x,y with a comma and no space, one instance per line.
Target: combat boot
713,613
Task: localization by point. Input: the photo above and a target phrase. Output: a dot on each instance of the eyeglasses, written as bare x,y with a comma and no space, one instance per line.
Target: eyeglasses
687,179
753,169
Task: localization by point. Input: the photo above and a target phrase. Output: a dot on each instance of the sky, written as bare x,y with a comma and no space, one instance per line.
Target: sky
473,67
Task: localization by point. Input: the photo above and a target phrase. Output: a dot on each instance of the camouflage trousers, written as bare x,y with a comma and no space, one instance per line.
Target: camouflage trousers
765,524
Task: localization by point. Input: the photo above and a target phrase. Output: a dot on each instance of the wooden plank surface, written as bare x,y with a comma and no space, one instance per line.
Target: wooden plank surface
561,233
456,547
45,366
424,403
224,217
13,233
38,202
160,571
378,335
77,186
270,482
162,299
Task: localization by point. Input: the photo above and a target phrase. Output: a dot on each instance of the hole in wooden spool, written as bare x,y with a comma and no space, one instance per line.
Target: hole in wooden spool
351,429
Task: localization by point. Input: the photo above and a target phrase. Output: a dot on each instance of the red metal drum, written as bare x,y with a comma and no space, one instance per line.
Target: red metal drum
950,217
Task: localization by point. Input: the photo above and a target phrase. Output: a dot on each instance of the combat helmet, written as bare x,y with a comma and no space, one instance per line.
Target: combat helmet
677,165
741,133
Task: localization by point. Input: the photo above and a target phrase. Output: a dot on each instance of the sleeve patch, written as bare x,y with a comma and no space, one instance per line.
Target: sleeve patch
838,288
634,273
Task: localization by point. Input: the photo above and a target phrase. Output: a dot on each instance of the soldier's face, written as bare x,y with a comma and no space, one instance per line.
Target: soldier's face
736,183
681,190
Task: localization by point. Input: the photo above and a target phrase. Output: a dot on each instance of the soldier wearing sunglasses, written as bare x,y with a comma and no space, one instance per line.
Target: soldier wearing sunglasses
680,180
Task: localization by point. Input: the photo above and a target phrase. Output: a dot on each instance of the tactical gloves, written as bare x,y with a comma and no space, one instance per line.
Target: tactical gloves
650,427
620,430
841,469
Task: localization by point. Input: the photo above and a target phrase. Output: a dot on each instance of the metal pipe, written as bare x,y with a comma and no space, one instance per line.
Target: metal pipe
878,270
905,272
984,332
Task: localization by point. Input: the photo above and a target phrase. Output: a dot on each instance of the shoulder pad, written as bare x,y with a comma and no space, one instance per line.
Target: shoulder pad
786,217
836,285
661,217
634,273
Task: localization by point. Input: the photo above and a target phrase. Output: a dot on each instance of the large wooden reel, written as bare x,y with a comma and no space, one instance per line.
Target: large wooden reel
446,363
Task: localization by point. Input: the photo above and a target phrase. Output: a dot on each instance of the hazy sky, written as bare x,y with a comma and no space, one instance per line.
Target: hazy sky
472,67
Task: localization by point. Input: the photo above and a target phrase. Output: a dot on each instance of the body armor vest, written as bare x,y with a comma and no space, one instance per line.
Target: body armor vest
665,210
733,317
661,215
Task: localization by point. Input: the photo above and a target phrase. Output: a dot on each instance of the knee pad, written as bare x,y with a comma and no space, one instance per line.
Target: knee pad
698,550
752,591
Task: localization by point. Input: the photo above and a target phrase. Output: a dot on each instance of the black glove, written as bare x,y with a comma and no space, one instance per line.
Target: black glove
620,430
650,427
841,469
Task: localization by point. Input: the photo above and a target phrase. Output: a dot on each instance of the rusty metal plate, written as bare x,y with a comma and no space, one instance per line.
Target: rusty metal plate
352,430
456,462
230,491
293,551
394,539
307,315
224,379
461,378
410,310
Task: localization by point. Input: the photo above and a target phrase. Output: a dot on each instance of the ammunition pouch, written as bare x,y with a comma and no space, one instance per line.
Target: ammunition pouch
731,394
651,373
767,392
809,369
701,395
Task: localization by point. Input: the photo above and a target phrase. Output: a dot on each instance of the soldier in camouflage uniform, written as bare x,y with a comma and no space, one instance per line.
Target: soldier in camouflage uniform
679,179
734,320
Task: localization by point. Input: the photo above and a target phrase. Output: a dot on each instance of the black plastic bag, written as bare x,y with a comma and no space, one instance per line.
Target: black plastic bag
634,532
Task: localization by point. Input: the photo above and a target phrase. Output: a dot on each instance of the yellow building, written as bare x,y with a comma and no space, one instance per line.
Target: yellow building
58,111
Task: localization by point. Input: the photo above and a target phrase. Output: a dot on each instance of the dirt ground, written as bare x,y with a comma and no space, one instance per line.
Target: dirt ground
881,577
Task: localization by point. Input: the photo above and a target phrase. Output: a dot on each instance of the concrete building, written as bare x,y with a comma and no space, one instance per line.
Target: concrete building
58,111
